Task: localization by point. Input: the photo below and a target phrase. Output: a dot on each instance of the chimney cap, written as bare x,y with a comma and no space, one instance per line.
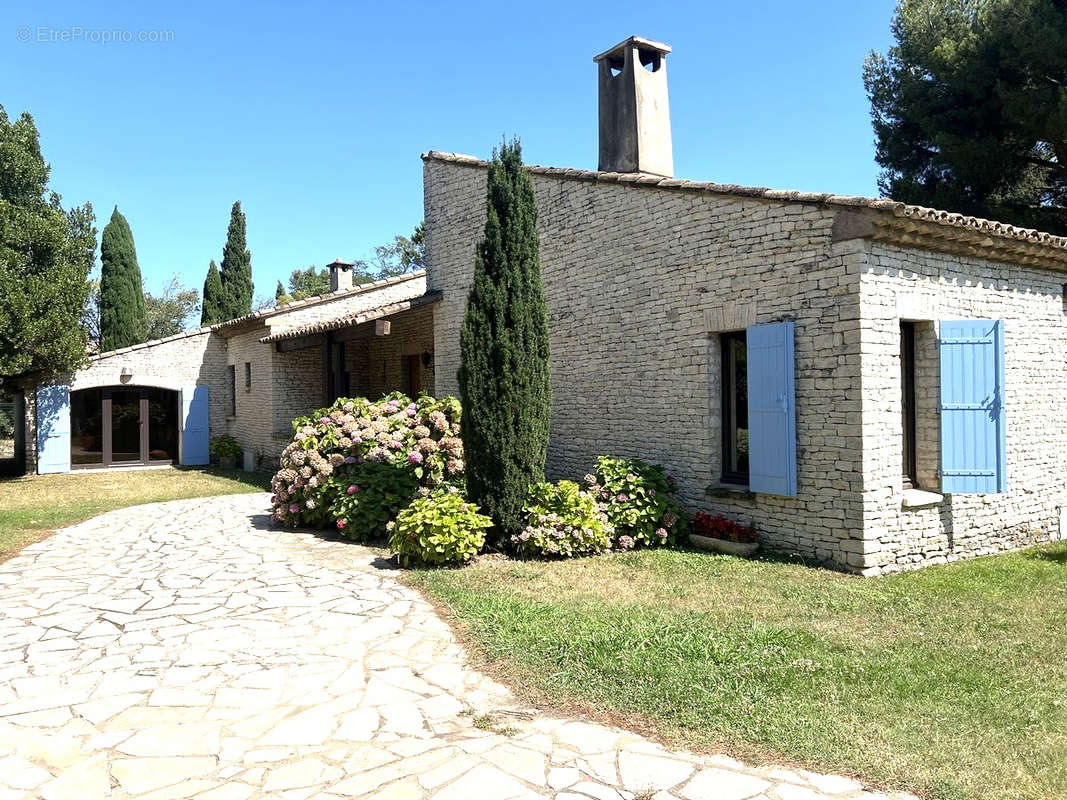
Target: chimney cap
337,263
635,41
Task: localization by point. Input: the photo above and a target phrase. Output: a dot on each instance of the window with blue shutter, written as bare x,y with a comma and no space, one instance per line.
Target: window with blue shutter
53,429
973,441
772,423
195,426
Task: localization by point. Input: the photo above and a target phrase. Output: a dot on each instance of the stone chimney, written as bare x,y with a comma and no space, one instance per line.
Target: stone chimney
340,275
635,120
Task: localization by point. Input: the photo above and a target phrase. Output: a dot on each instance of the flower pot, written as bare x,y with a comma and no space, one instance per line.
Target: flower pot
228,462
723,545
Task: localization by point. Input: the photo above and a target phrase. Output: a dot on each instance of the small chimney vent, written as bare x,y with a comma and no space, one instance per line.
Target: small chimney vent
340,275
635,120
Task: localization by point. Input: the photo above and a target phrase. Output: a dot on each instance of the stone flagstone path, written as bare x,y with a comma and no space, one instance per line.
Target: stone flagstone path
188,650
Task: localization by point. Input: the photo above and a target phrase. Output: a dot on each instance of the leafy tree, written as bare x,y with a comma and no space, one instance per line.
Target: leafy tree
211,308
168,313
236,270
504,358
46,254
280,297
399,257
970,108
122,310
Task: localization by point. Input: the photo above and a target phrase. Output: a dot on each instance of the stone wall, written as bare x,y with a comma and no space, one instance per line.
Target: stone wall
411,334
253,424
639,283
187,359
899,283
298,391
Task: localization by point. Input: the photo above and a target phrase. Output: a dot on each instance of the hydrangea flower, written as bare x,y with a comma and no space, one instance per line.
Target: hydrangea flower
341,524
414,457
352,489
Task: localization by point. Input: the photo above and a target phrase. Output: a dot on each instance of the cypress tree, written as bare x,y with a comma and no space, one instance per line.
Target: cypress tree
122,310
504,360
211,309
236,272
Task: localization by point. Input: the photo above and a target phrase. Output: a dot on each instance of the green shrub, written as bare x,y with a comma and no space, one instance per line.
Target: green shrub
392,448
440,529
223,446
639,500
562,520
366,500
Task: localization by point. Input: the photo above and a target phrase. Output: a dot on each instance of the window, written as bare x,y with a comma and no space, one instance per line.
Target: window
233,390
734,408
907,387
248,376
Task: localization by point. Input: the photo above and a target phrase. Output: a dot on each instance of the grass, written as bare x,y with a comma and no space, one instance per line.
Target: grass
33,506
950,682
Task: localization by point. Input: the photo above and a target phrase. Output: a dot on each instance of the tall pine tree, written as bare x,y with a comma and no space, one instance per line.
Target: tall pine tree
236,272
504,359
211,307
122,310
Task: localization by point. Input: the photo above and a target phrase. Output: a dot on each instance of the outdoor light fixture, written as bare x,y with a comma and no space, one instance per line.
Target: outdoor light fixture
125,374
427,358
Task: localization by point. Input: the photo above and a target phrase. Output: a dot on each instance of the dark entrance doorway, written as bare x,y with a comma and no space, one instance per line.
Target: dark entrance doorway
123,426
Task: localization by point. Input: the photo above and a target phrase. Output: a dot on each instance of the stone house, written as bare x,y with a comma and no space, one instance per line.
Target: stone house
873,385
162,401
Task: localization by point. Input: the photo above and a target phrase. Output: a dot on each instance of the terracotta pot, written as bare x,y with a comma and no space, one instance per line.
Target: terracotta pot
723,545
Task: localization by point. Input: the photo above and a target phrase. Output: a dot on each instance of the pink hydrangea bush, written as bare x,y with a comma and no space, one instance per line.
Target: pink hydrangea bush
639,500
352,463
562,521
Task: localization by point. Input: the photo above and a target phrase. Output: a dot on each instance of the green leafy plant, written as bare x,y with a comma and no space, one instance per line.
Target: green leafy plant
224,446
364,501
562,520
440,529
639,501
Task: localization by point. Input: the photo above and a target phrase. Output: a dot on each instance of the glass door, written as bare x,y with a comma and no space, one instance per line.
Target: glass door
126,427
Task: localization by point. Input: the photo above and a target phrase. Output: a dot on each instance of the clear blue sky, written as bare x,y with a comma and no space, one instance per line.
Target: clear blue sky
313,115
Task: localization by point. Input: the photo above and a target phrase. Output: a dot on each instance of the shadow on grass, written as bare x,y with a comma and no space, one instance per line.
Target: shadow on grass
1056,556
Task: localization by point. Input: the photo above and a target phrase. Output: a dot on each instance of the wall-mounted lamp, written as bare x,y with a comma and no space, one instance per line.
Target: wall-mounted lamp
125,374
427,358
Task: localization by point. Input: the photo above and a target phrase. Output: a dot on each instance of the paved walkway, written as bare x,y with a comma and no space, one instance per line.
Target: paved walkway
188,650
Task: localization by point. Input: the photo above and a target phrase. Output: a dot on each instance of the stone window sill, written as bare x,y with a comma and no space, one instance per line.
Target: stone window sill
733,490
231,418
917,498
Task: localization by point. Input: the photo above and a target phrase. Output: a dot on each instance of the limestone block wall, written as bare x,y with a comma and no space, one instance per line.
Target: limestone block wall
253,424
187,359
298,390
639,283
899,283
412,334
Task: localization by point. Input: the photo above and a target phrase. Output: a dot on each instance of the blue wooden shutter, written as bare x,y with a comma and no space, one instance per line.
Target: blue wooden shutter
195,426
973,443
772,419
53,429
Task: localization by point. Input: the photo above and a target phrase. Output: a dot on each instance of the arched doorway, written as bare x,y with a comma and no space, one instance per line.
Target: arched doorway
118,426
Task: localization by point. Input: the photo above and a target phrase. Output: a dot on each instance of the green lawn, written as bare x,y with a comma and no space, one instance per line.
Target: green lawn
950,682
32,507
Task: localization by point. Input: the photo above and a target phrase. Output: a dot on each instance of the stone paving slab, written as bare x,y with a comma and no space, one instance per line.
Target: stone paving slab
186,649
